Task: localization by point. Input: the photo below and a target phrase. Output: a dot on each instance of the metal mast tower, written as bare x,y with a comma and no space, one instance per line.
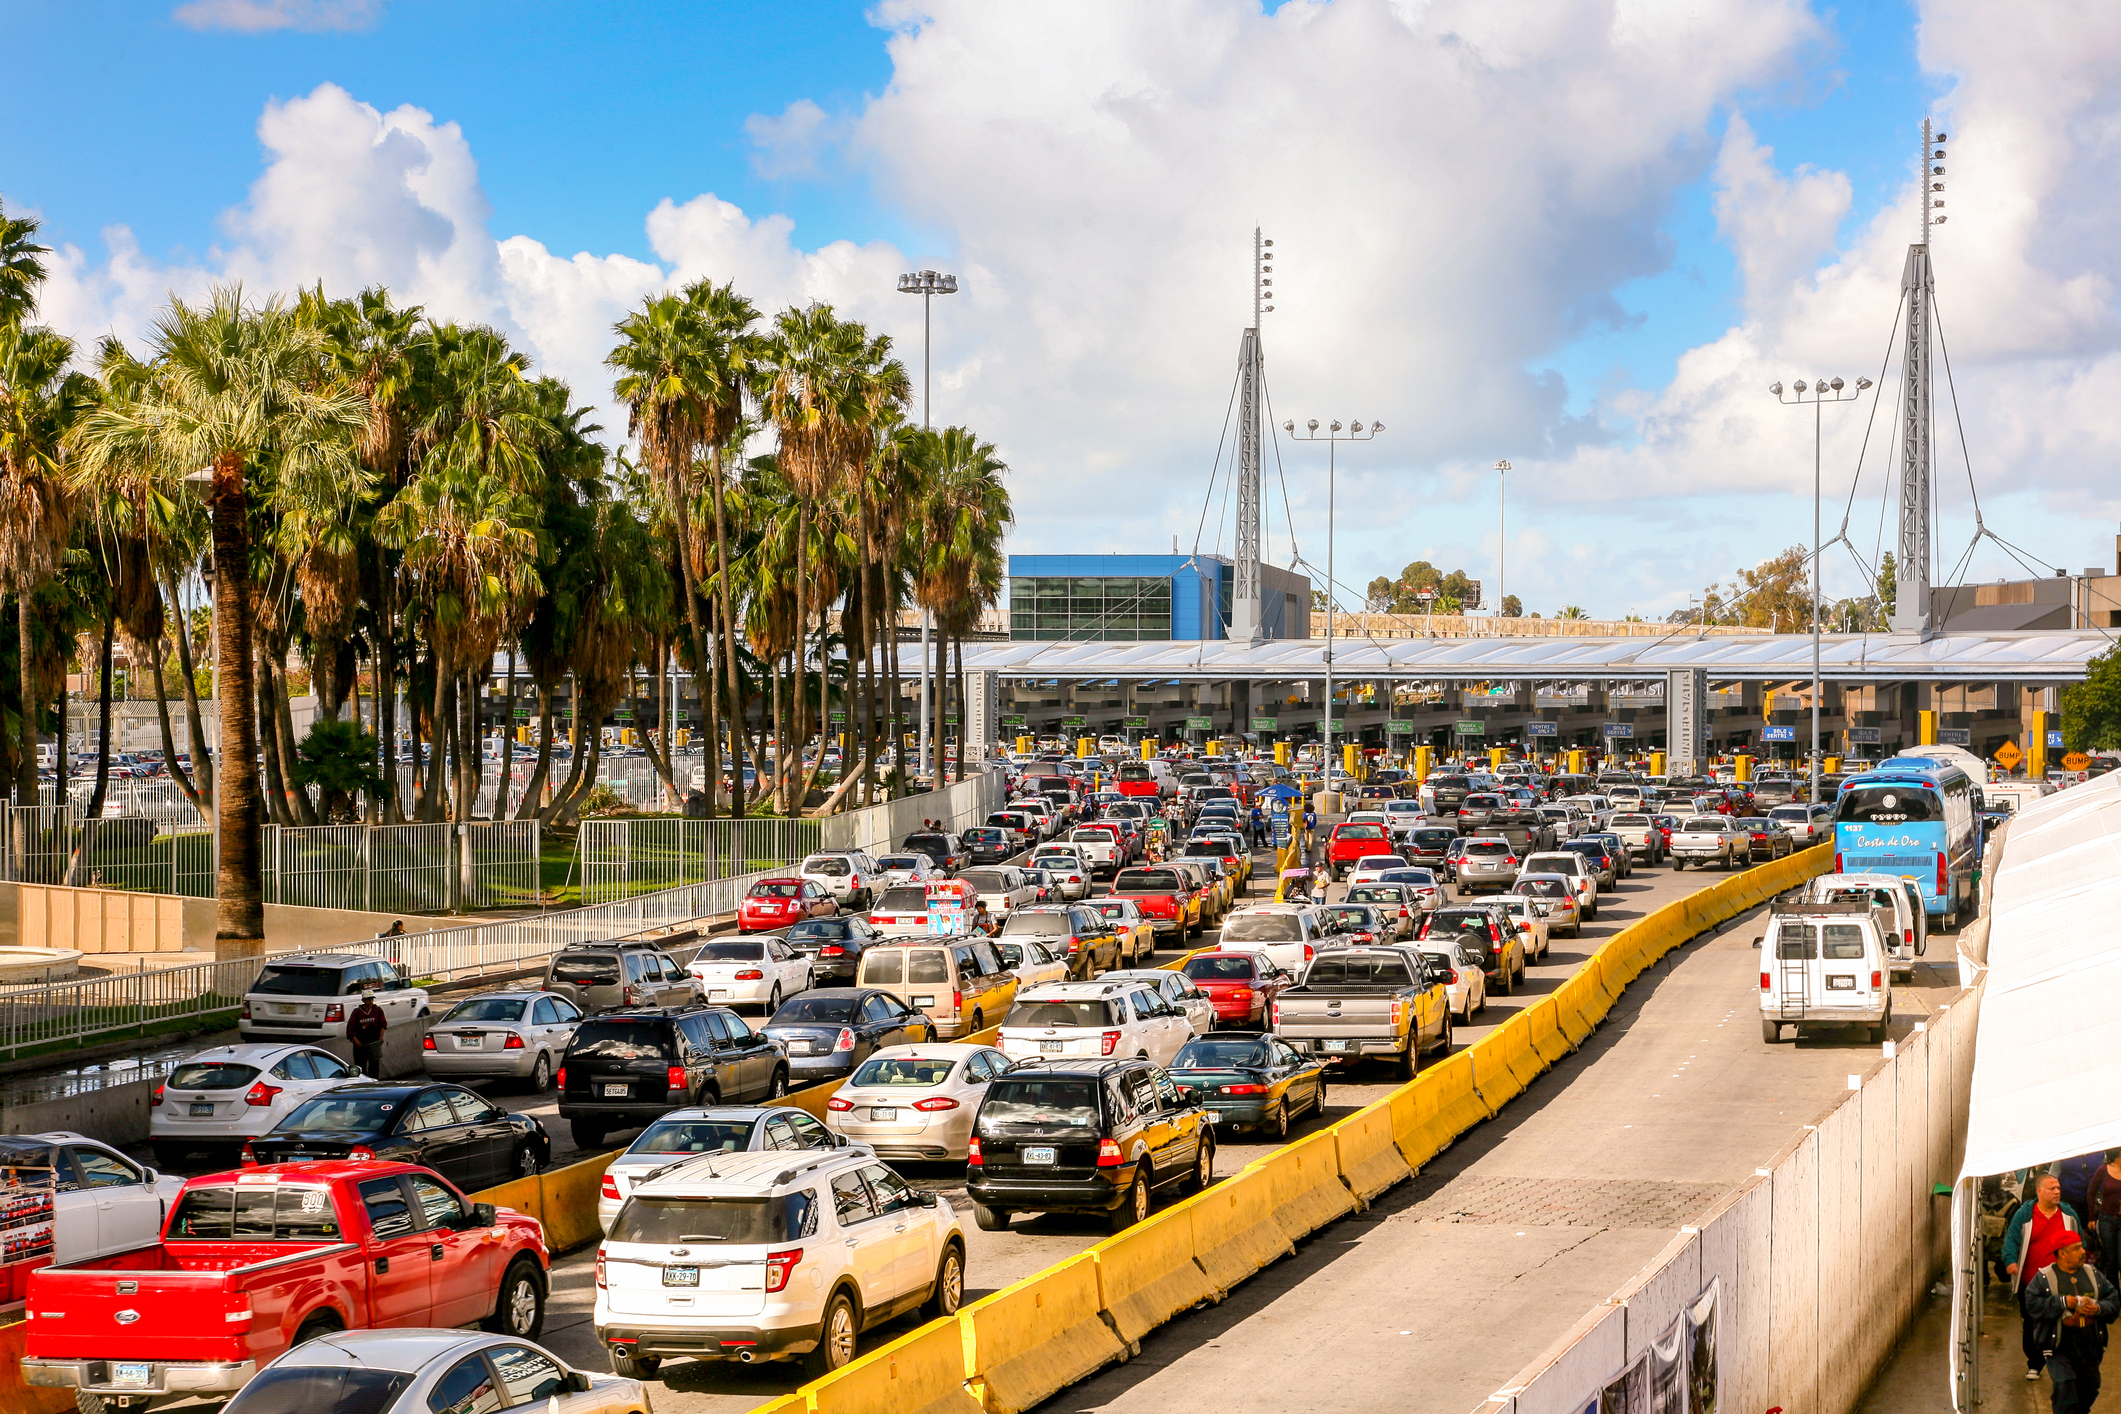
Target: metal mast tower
1911,601
1245,622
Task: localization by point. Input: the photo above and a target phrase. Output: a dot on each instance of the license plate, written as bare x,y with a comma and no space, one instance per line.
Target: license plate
202,1110
717,995
471,1043
883,1112
799,1048
1211,1117
1038,1155
615,1092
1051,1048
131,1374
1336,1045
1840,984
924,1002
280,1010
681,1276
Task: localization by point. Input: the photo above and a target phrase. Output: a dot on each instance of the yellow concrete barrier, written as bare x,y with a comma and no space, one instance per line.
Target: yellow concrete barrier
1369,1161
1543,1022
1234,1232
1461,1104
1304,1188
1580,1007
525,1195
1028,1341
1417,1125
1146,1275
1492,1076
1525,1063
921,1373
569,1199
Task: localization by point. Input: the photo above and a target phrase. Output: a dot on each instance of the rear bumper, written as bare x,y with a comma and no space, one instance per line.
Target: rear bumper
510,1064
712,1343
1088,1195
172,1377
620,1113
1348,1048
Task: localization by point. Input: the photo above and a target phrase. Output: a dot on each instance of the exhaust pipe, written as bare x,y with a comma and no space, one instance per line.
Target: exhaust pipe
745,1357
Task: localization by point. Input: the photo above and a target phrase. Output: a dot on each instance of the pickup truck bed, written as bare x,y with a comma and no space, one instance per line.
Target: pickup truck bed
1357,1002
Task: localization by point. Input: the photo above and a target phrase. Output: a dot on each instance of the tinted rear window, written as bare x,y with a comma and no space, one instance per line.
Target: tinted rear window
819,929
1050,1099
985,880
903,900
255,1213
1892,804
731,952
1488,848
831,865
1147,881
621,1040
1264,928
743,1222
1062,1013
771,889
599,970
1340,969
1220,969
297,982
304,1389
212,1075
834,1010
934,846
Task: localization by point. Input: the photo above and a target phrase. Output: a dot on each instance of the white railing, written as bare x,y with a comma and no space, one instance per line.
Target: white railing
881,828
616,859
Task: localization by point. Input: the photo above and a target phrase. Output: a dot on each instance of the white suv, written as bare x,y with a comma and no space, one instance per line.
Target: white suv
771,1256
849,875
308,996
1583,879
1128,1018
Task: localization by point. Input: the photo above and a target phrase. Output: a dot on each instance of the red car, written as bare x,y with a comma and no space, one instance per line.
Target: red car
1242,985
776,903
1350,843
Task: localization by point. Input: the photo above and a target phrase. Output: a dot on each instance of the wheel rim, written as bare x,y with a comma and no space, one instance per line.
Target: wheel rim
1205,1164
953,1283
543,1076
780,1085
1141,1200
842,1337
522,1306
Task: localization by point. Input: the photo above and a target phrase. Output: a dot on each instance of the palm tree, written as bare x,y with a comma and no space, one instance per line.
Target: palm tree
964,514
21,272
40,401
240,397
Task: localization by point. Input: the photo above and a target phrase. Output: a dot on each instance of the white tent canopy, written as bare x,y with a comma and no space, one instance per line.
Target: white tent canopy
2047,1057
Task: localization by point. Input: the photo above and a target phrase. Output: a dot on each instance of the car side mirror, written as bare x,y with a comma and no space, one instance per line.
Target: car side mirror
924,1197
578,1383
484,1215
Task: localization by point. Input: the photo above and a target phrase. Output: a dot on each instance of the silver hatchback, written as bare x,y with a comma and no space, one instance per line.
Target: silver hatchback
502,1035
1486,863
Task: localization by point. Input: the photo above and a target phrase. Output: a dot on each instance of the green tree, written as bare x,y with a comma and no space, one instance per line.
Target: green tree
1888,583
21,269
1571,611
1512,607
2091,710
339,759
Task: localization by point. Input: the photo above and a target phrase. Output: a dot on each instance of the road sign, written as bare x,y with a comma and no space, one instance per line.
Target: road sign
1135,724
1542,729
1620,729
1778,733
1266,724
1013,721
2076,761
842,716
2054,741
1399,729
1200,724
1469,728
1866,736
1073,721
1955,736
2008,756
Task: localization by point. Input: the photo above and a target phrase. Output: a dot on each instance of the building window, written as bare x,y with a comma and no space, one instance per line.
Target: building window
1115,609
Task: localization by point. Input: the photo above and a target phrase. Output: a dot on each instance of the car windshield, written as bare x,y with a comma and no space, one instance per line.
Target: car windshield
304,1389
815,1010
776,888
911,1072
1090,1012
981,834
212,1075
357,1114
830,865
488,1009
822,929
1263,928
620,1039
743,1222
1488,849
1211,968
694,1136
1044,1100
731,952
297,982
1221,1055
1366,894
1896,803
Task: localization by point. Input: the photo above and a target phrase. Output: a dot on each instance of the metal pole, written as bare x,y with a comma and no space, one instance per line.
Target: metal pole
1332,445
1817,414
927,655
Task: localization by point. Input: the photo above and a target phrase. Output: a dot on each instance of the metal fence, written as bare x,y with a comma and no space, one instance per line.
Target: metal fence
879,829
617,859
404,868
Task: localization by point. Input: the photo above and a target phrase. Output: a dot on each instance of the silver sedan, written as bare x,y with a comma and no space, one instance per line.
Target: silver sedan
502,1035
413,1371
720,1129
916,1102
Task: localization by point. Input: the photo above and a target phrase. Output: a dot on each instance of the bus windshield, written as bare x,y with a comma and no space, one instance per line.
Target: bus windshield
1890,803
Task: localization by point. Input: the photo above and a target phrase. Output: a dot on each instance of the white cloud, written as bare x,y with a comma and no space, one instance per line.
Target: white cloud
261,16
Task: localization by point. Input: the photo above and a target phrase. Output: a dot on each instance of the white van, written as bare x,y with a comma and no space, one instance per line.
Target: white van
1911,919
1825,964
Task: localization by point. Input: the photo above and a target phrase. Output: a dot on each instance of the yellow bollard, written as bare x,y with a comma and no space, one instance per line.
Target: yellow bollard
1083,747
1350,757
1829,765
1495,755
1148,748
1023,745
1281,753
2036,757
1657,763
1745,766
1214,746
1576,762
1926,728
1423,763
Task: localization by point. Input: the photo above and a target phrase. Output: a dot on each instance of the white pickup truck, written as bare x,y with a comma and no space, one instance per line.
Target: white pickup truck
1710,839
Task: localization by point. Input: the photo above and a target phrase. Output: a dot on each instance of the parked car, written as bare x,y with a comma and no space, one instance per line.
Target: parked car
224,1095
1359,1002
622,973
458,1133
833,945
916,1102
102,1200
957,983
320,1247
630,1068
517,1036
725,1129
829,1032
393,1371
1251,1081
776,903
756,971
842,1243
308,996
1085,1136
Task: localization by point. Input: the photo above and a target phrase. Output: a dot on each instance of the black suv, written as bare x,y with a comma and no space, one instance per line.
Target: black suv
624,1069
1085,1136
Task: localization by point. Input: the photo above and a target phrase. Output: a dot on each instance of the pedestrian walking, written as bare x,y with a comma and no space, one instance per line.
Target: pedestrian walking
2102,1215
365,1029
2030,1242
2073,1303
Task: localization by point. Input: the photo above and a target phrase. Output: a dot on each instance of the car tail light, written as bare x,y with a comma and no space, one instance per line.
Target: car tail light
1243,994
778,1266
1309,952
1109,1042
335,1012
1454,977
245,1013
834,949
609,1188
156,1098
1764,983
1877,981
1943,871
1244,1089
846,1039
250,1155
513,1043
751,974
427,1042
1108,1154
1399,1012
1837,863
934,1103
1273,1015
675,1078
957,1002
600,1269
559,1079
972,1154
360,1153
836,1103
626,994
261,1093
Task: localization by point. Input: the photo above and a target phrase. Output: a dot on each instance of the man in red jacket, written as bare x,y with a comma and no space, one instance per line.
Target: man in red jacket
2035,1233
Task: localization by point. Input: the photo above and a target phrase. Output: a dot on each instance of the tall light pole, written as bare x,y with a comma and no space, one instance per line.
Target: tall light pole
1502,532
1333,436
1819,391
927,284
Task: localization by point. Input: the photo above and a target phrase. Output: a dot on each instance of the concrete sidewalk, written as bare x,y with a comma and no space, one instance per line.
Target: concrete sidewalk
1918,1379
1455,1281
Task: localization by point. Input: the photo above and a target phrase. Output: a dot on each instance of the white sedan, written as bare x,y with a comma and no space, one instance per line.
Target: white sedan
1466,993
1372,868
1068,866
227,1094
104,1202
916,1102
1031,961
906,869
751,971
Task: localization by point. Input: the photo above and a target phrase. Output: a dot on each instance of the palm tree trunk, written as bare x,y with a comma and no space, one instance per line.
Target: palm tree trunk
780,744
736,695
387,811
103,665
433,809
299,804
470,745
239,882
202,760
802,647
26,716
535,786
169,736
964,711
582,755
508,740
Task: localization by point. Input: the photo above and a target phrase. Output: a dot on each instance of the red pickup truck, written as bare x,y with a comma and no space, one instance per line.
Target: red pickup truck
253,1263
1163,895
1350,844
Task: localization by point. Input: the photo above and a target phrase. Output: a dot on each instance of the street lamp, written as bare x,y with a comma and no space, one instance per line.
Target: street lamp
927,284
1333,436
1820,394
1502,532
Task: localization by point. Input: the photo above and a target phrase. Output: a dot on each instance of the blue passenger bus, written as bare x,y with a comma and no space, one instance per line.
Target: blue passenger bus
1916,817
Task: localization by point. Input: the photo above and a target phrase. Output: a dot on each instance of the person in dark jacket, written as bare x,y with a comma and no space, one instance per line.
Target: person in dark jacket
365,1029
2030,1241
2069,1303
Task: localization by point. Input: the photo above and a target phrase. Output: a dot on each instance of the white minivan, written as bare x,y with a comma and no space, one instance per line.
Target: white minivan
1911,920
1826,964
